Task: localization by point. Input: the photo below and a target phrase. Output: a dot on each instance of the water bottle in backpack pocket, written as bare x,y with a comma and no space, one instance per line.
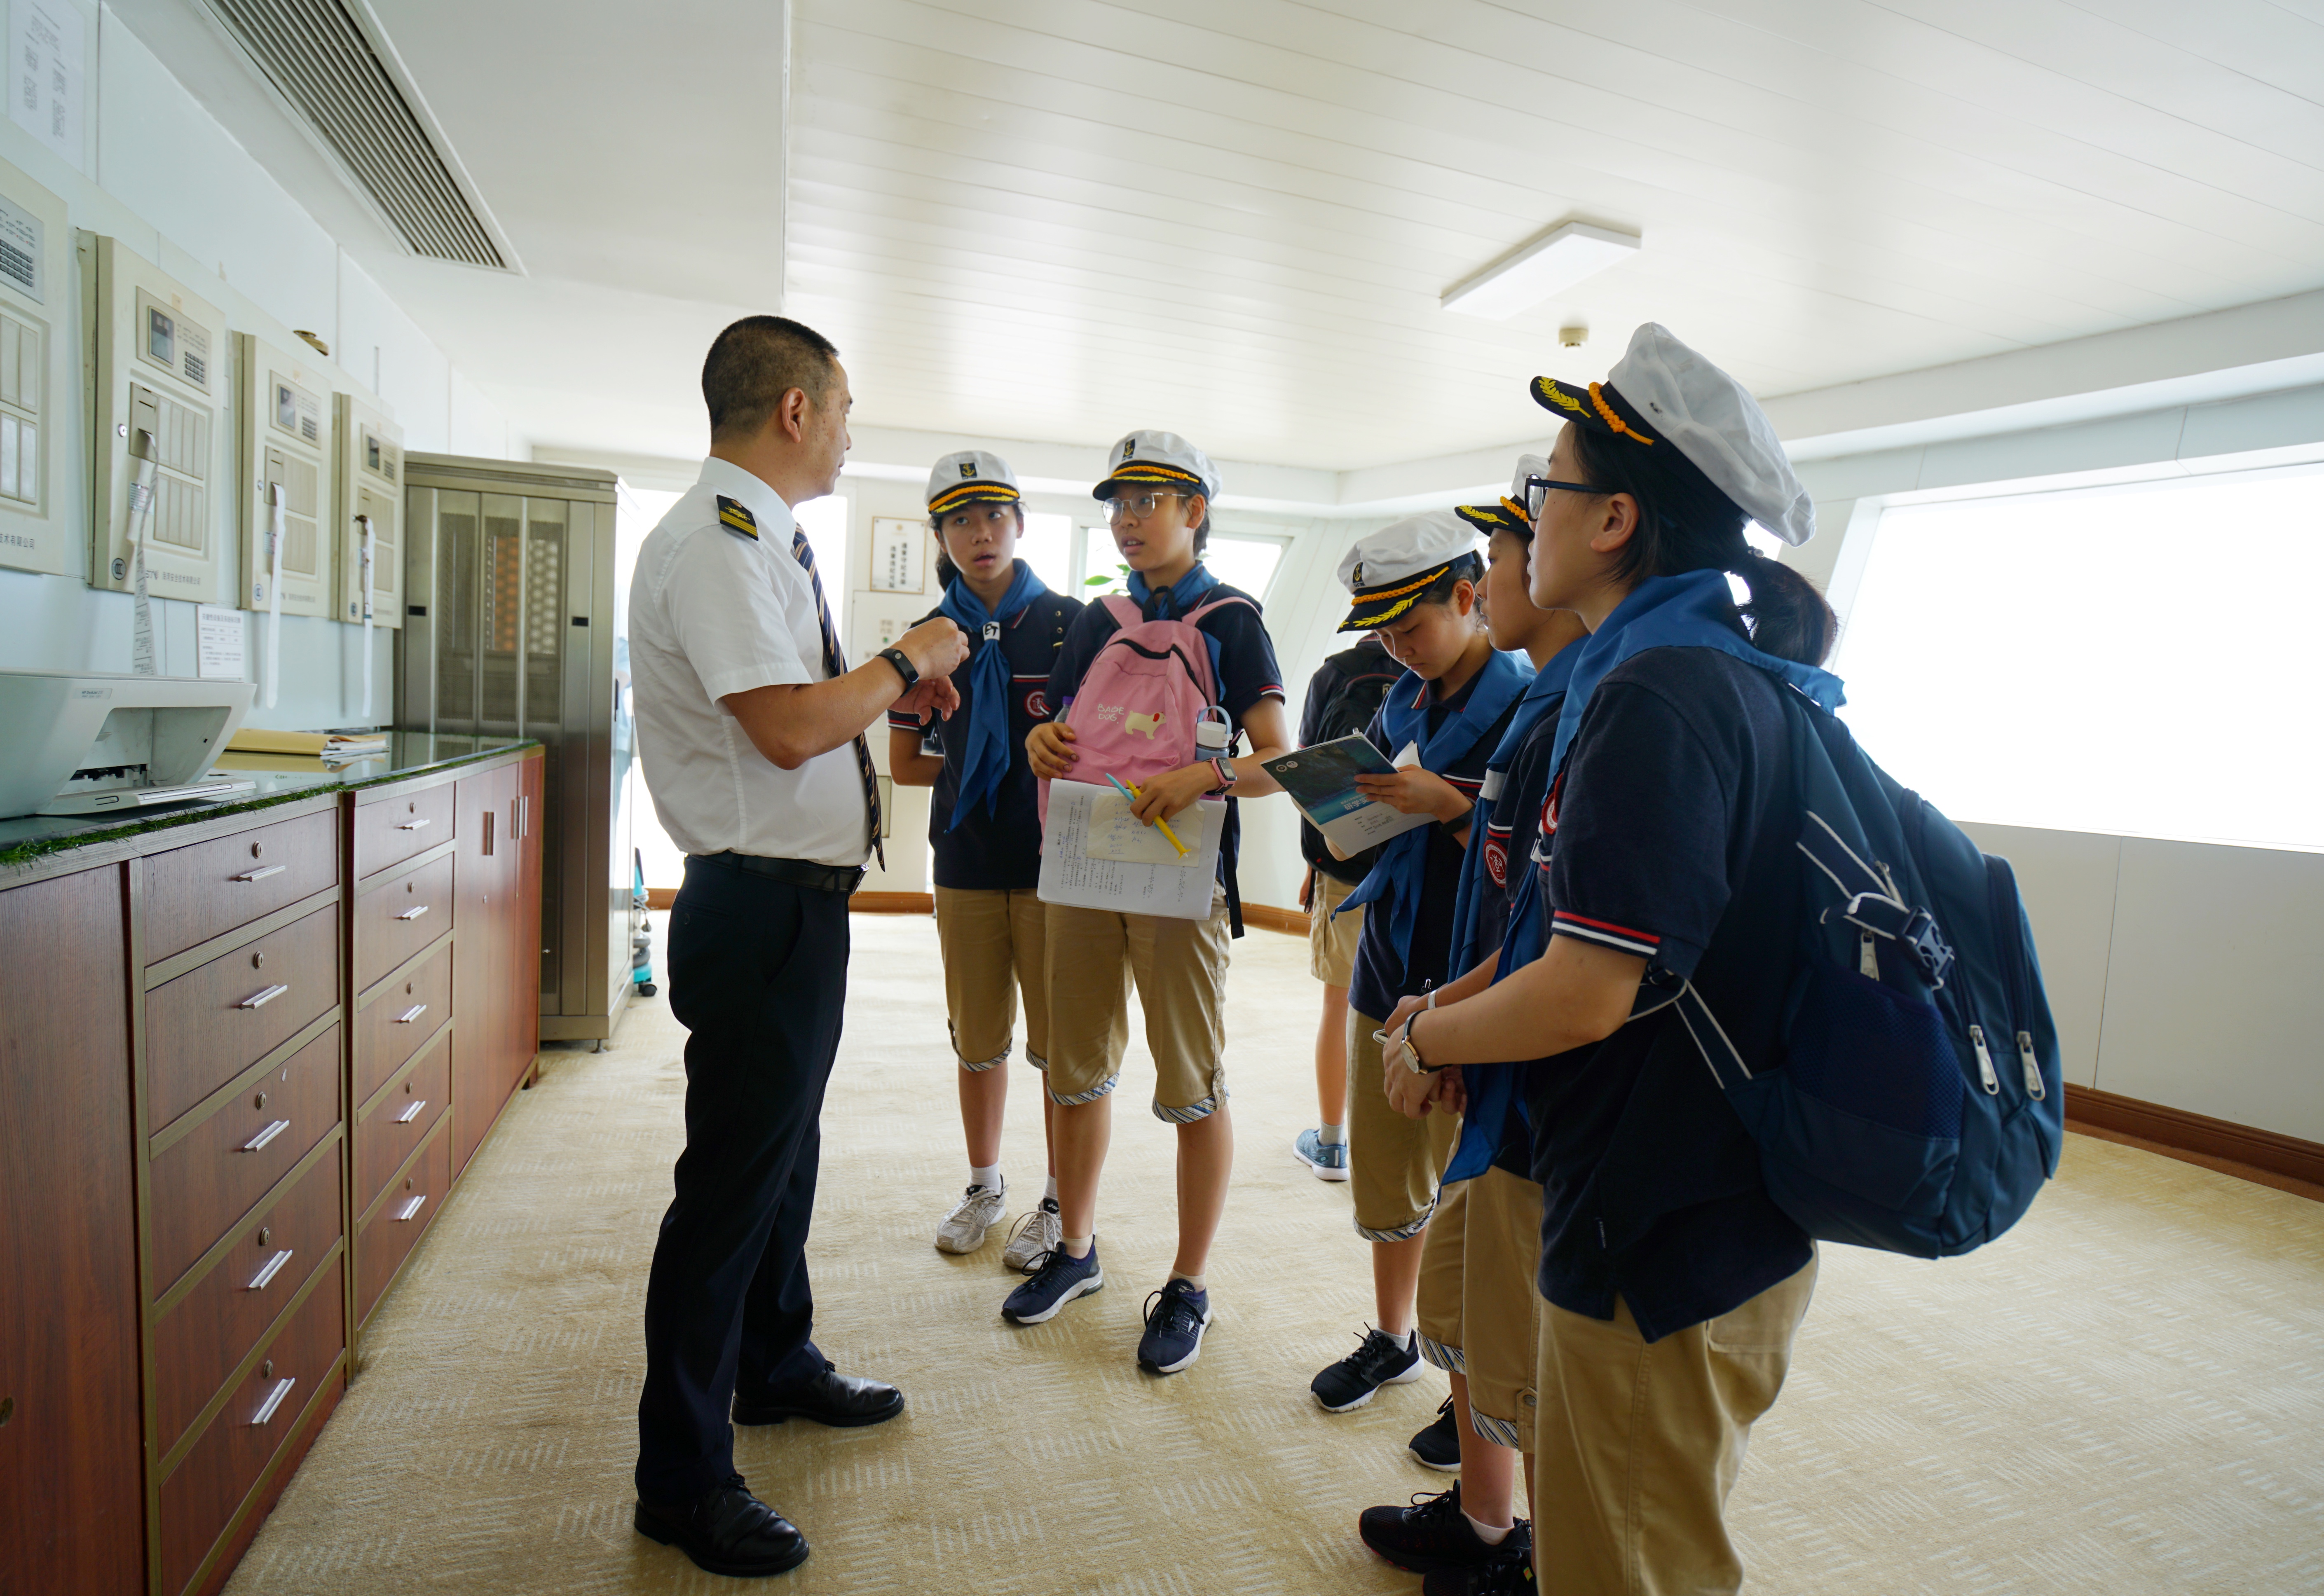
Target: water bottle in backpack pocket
1916,1106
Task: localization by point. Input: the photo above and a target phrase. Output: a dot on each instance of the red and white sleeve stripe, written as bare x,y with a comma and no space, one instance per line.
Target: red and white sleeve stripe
1645,943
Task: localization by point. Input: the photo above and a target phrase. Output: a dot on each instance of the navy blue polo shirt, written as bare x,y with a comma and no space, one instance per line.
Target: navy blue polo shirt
998,846
1512,818
1246,671
1675,823
1381,979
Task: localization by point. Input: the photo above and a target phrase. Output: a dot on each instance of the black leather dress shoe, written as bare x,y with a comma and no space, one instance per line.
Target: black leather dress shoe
727,1531
840,1401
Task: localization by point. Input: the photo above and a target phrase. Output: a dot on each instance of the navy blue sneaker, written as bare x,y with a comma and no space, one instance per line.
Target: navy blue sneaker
1175,1317
1058,1277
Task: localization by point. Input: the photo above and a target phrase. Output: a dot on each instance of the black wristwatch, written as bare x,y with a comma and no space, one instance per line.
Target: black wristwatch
903,664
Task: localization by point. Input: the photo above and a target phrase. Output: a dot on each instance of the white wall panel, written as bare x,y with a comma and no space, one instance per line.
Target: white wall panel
383,349
2213,1003
2067,879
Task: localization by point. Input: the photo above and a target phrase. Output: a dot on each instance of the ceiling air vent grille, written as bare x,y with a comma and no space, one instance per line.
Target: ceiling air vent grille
319,61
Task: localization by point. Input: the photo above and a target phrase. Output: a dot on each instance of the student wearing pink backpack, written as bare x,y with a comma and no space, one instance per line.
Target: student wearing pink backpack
1129,687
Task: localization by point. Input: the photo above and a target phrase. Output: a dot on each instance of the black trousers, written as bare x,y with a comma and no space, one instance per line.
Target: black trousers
757,976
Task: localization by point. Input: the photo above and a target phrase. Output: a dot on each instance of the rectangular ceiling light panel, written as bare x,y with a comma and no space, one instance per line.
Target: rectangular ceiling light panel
1550,265
320,61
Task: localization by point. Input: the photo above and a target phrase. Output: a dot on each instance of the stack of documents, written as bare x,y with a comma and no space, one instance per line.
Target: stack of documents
255,749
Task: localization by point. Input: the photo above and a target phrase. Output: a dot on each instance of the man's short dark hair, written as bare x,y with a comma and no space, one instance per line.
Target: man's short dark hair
754,362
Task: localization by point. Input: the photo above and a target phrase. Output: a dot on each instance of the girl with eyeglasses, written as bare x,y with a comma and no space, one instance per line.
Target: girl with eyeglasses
983,828
1157,495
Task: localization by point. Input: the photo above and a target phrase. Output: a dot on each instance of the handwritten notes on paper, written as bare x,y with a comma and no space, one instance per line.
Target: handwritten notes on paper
1095,855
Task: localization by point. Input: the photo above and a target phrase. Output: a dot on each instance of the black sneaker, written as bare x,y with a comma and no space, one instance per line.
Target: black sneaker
1432,1534
1509,1573
1175,1317
1438,1446
1380,1360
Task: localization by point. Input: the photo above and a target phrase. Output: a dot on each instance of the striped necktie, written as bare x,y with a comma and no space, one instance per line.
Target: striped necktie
804,552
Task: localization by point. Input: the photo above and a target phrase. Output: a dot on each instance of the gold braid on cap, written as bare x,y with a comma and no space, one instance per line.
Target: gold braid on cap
1606,414
1517,511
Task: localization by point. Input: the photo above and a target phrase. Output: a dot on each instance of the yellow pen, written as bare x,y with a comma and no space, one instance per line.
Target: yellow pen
1131,794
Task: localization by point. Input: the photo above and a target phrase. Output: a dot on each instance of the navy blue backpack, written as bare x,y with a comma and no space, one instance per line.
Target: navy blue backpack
1916,1106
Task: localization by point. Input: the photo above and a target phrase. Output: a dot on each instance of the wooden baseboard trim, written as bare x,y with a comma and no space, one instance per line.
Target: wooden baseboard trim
892,903
2197,1137
1291,922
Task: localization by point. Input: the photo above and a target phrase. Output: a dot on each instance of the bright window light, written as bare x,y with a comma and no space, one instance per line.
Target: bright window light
824,522
2139,660
1247,563
1048,546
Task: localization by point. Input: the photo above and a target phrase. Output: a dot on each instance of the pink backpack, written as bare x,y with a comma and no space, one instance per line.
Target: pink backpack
1133,714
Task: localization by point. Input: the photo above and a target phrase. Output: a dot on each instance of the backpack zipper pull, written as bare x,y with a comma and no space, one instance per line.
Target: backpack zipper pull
1868,955
1983,1061
2032,1065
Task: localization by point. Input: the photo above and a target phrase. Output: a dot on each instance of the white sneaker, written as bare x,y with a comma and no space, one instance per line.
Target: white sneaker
978,1209
1035,1234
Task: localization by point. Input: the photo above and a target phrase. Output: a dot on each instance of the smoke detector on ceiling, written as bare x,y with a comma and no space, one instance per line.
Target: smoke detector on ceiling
1573,335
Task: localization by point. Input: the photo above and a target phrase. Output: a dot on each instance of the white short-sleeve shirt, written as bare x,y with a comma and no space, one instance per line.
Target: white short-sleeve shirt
713,611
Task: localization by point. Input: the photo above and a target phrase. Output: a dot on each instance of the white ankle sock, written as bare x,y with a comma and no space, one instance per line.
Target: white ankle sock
1052,1192
1079,1246
1332,1135
987,1175
1199,1282
1486,1532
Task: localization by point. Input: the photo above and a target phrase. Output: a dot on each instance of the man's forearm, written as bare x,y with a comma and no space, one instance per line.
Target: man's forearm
792,722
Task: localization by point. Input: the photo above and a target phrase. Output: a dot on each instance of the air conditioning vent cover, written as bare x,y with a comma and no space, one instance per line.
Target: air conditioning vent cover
317,56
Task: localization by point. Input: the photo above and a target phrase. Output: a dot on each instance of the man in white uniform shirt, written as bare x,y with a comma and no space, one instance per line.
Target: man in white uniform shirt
751,732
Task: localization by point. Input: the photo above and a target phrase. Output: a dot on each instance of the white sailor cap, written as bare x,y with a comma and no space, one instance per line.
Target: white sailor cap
1387,571
1153,460
1509,514
1662,393
971,476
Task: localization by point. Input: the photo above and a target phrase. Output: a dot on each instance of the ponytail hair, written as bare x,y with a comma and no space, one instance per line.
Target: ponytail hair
1686,524
945,570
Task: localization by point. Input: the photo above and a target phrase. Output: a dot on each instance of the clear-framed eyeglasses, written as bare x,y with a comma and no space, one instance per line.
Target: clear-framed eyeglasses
1537,492
1137,506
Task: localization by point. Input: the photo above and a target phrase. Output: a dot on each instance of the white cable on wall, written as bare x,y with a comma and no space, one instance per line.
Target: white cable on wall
141,514
271,677
368,549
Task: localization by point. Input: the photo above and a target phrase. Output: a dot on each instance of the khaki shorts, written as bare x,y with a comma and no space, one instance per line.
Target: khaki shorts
1393,1161
1180,967
1638,1444
1332,944
1480,1311
991,942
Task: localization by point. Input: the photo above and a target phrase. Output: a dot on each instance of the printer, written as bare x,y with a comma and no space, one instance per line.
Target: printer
89,745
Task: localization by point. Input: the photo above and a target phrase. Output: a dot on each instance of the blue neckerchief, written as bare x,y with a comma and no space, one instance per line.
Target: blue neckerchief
1686,611
1394,880
1540,697
985,764
1174,602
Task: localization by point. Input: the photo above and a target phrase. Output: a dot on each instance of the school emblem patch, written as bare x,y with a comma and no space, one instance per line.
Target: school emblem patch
1497,857
1036,704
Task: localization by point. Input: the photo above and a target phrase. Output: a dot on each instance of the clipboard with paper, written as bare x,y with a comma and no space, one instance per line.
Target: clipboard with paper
1320,780
1097,854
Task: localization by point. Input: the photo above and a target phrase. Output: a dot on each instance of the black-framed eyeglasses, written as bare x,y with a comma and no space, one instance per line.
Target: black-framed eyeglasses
1537,492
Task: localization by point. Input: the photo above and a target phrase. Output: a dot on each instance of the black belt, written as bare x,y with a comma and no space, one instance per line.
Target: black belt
797,872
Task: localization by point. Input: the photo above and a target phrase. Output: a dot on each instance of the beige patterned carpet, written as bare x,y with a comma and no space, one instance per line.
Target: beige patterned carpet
2125,1395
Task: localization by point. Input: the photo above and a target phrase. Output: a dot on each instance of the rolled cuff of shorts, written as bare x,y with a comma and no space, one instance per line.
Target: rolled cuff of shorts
1192,1111
1102,1089
1500,1432
1037,1061
976,1068
1403,1232
1446,1357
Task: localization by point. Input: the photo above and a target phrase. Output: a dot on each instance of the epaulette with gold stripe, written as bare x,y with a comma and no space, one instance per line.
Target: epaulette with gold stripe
735,518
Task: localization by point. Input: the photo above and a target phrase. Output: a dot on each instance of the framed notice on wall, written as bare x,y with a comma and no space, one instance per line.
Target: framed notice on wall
899,556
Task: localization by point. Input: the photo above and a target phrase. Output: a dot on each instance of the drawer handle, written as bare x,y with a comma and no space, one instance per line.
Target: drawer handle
410,1208
411,1114
412,824
413,913
273,1398
411,1014
265,1135
261,873
268,1270
259,999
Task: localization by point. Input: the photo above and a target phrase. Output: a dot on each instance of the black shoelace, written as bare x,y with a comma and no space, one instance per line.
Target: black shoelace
1178,1313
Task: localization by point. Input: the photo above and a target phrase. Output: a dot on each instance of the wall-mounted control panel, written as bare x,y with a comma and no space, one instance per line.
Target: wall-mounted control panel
284,422
36,299
370,478
157,372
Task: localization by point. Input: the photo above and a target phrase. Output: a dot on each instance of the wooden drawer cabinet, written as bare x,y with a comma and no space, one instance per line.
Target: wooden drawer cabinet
397,917
208,1177
203,1336
261,1413
402,1119
395,824
401,1216
213,1022
193,894
399,1018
